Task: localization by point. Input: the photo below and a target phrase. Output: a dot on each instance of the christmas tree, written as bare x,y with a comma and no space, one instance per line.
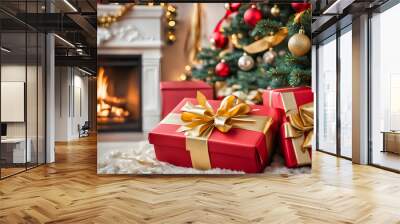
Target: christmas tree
259,46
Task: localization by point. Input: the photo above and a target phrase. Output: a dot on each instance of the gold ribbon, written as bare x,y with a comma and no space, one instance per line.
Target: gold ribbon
193,36
299,127
234,39
199,121
297,17
267,42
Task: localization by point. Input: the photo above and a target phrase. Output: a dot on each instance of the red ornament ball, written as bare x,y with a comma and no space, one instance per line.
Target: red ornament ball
219,40
234,6
299,7
252,16
222,69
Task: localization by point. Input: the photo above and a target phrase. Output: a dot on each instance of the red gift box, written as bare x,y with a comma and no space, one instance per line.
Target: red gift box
284,102
173,92
239,149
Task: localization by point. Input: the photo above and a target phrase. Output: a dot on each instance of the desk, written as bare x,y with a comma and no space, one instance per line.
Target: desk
391,141
13,150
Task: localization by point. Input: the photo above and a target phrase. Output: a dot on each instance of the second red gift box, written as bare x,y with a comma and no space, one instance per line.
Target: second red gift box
294,107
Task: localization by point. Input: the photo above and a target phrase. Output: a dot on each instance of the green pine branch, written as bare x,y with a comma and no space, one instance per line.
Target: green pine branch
305,22
264,27
287,70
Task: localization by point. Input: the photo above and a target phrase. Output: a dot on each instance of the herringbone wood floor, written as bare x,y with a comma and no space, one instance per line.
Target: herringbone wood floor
69,191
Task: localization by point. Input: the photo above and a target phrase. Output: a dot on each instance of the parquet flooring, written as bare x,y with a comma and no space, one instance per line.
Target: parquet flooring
69,191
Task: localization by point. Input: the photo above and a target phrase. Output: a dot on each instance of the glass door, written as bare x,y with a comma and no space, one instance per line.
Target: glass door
14,153
22,89
385,90
326,96
345,62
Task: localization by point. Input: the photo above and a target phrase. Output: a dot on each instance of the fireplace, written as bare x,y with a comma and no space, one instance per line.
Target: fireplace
138,32
119,93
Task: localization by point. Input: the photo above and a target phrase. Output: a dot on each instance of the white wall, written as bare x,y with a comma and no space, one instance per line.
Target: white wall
12,73
175,54
71,102
33,126
61,103
80,109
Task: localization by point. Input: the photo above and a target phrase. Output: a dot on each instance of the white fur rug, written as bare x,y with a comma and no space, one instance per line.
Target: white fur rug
139,158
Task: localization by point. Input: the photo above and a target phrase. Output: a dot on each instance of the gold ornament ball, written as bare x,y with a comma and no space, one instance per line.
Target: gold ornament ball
275,11
269,56
299,44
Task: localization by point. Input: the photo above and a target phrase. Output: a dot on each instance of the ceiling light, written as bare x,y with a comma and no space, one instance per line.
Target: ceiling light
5,49
70,5
337,7
84,71
64,40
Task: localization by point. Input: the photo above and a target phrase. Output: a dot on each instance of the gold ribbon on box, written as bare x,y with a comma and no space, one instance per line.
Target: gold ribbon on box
199,121
299,127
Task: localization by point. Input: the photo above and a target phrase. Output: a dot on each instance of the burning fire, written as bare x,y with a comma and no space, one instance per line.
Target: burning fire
109,108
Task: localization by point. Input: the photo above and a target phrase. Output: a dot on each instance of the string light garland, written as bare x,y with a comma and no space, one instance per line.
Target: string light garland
187,74
107,20
170,17
170,10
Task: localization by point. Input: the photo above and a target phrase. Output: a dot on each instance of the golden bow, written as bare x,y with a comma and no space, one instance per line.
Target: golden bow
267,42
262,44
301,123
201,119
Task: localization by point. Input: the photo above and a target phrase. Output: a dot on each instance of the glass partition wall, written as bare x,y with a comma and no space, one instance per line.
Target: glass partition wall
326,96
22,77
385,90
334,93
345,92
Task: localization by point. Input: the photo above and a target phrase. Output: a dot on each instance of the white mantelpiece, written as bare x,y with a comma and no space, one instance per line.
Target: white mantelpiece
139,32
